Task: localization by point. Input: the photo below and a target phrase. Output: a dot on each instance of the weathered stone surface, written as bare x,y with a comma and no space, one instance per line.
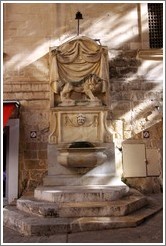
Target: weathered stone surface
101,209
30,225
30,154
31,146
33,164
42,154
32,183
37,174
91,208
139,234
145,185
39,208
80,193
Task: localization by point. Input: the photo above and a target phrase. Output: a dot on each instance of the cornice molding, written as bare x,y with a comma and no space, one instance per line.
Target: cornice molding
150,54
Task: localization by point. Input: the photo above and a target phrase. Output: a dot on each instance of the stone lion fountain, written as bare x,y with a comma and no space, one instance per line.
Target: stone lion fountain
82,184
81,148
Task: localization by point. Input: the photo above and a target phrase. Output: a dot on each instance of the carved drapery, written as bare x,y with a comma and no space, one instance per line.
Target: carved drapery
74,60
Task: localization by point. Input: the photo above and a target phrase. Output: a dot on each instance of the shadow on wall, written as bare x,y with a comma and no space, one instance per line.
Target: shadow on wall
135,96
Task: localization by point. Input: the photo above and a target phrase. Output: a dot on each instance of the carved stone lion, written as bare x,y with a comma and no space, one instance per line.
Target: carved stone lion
89,85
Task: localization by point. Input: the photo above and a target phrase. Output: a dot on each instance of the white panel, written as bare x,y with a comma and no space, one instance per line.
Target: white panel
153,162
134,160
12,159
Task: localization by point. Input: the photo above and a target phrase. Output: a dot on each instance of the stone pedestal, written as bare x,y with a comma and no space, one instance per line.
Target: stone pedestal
69,165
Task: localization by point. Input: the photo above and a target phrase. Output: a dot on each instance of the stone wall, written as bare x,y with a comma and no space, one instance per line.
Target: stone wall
135,84
136,100
30,87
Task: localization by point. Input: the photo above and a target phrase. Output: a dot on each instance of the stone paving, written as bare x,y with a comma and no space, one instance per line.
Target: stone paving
150,231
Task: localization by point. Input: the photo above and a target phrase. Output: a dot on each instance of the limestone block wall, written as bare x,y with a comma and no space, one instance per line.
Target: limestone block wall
136,100
33,95
30,29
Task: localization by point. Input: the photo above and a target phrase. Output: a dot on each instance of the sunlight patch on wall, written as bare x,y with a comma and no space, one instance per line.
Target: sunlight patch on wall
119,28
151,70
26,57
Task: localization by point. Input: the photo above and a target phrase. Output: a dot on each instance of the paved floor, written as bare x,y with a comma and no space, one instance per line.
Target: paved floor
150,231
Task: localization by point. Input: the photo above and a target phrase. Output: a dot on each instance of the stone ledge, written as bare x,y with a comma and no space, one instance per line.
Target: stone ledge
80,193
80,209
150,54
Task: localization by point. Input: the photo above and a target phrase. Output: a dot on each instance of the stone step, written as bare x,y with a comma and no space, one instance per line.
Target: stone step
100,209
28,224
80,193
119,207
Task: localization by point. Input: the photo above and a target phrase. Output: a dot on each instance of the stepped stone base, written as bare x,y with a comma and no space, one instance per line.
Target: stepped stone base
32,216
80,193
28,224
82,209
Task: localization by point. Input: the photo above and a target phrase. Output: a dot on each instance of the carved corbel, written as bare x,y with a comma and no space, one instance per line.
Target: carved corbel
53,137
112,128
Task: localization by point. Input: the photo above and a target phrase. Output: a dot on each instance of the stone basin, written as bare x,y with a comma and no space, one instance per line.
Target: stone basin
81,157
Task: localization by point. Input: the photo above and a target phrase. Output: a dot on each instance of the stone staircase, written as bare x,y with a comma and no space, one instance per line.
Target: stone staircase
54,210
